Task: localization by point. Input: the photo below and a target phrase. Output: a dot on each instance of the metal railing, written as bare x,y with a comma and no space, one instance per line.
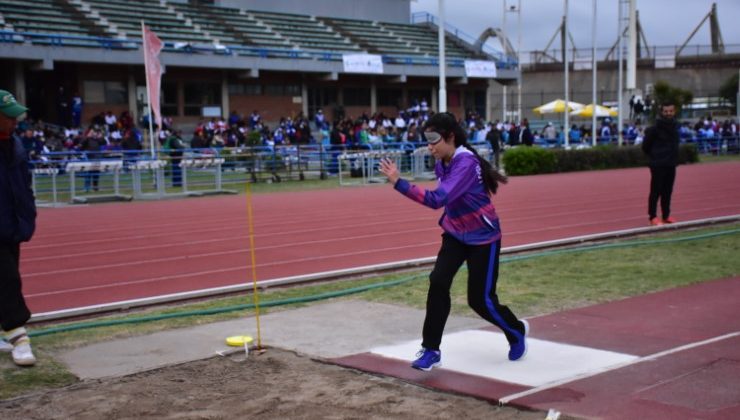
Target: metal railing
60,178
610,55
501,59
59,40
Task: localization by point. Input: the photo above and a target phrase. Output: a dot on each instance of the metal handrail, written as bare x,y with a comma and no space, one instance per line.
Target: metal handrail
180,47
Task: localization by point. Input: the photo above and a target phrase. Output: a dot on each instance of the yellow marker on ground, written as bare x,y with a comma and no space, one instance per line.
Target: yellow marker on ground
239,340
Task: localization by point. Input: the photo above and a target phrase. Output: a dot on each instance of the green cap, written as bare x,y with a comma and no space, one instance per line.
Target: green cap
9,106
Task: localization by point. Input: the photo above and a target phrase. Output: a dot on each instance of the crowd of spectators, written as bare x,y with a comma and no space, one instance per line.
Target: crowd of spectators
119,134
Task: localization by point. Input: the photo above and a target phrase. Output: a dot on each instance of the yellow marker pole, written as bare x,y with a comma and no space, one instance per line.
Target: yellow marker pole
255,294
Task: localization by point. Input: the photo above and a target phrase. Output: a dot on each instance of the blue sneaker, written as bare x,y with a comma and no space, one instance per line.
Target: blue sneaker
519,349
427,359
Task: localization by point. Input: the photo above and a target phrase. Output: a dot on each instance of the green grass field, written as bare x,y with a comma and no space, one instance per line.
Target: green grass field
544,283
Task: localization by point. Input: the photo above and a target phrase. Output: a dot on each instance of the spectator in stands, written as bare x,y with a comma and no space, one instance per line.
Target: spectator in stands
302,130
76,110
606,131
130,146
98,121
494,139
54,143
17,224
386,122
92,145
233,118
174,145
63,107
549,133
630,133
661,146
167,123
126,122
424,107
638,107
254,119
466,184
400,121
32,145
111,122
362,140
574,134
481,132
278,137
412,134
320,120
198,141
525,136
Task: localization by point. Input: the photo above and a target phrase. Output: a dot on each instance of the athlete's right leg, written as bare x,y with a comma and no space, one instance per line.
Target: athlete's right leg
449,259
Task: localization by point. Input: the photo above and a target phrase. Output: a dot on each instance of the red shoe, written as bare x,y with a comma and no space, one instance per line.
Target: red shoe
669,219
655,222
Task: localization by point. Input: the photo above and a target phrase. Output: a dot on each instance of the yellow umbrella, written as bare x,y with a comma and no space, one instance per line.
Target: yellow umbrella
588,111
557,106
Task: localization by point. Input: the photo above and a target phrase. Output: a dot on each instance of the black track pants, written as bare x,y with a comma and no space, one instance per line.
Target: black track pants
483,261
13,310
661,186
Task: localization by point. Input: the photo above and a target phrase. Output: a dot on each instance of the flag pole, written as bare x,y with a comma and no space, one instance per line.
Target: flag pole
148,98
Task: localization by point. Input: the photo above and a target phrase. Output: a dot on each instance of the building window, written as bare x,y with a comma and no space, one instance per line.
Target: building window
419,95
168,99
200,95
105,92
283,90
390,97
250,89
356,96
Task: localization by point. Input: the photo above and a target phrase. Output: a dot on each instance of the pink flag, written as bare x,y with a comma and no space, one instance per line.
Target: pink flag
153,69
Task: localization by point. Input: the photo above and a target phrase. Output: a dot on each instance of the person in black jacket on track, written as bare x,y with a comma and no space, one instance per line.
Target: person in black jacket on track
661,146
17,224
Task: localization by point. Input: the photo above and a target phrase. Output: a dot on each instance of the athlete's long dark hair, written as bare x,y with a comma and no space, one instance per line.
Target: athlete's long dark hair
445,123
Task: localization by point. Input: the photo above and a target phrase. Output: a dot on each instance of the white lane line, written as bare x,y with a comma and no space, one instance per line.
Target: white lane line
427,260
230,228
242,268
225,253
508,398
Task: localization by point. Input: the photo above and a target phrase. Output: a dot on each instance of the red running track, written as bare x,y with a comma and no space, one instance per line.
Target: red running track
106,253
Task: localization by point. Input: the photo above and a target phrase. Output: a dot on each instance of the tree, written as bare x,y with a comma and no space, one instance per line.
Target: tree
665,93
728,90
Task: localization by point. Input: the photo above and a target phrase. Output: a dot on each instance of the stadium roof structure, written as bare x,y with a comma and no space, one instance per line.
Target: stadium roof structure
215,37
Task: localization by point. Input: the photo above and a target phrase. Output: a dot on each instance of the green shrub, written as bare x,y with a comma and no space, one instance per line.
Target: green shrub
254,138
688,153
535,160
524,160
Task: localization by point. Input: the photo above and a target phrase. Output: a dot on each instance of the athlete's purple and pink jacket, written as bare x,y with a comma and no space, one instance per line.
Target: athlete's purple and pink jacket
469,215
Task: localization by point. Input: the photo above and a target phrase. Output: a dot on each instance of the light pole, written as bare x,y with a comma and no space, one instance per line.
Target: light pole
514,9
593,74
519,60
566,126
619,75
505,39
442,61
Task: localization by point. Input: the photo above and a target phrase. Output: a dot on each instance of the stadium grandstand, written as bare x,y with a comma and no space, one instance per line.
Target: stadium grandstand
280,58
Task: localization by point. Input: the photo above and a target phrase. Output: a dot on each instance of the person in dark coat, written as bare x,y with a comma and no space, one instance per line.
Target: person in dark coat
661,146
17,224
494,138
